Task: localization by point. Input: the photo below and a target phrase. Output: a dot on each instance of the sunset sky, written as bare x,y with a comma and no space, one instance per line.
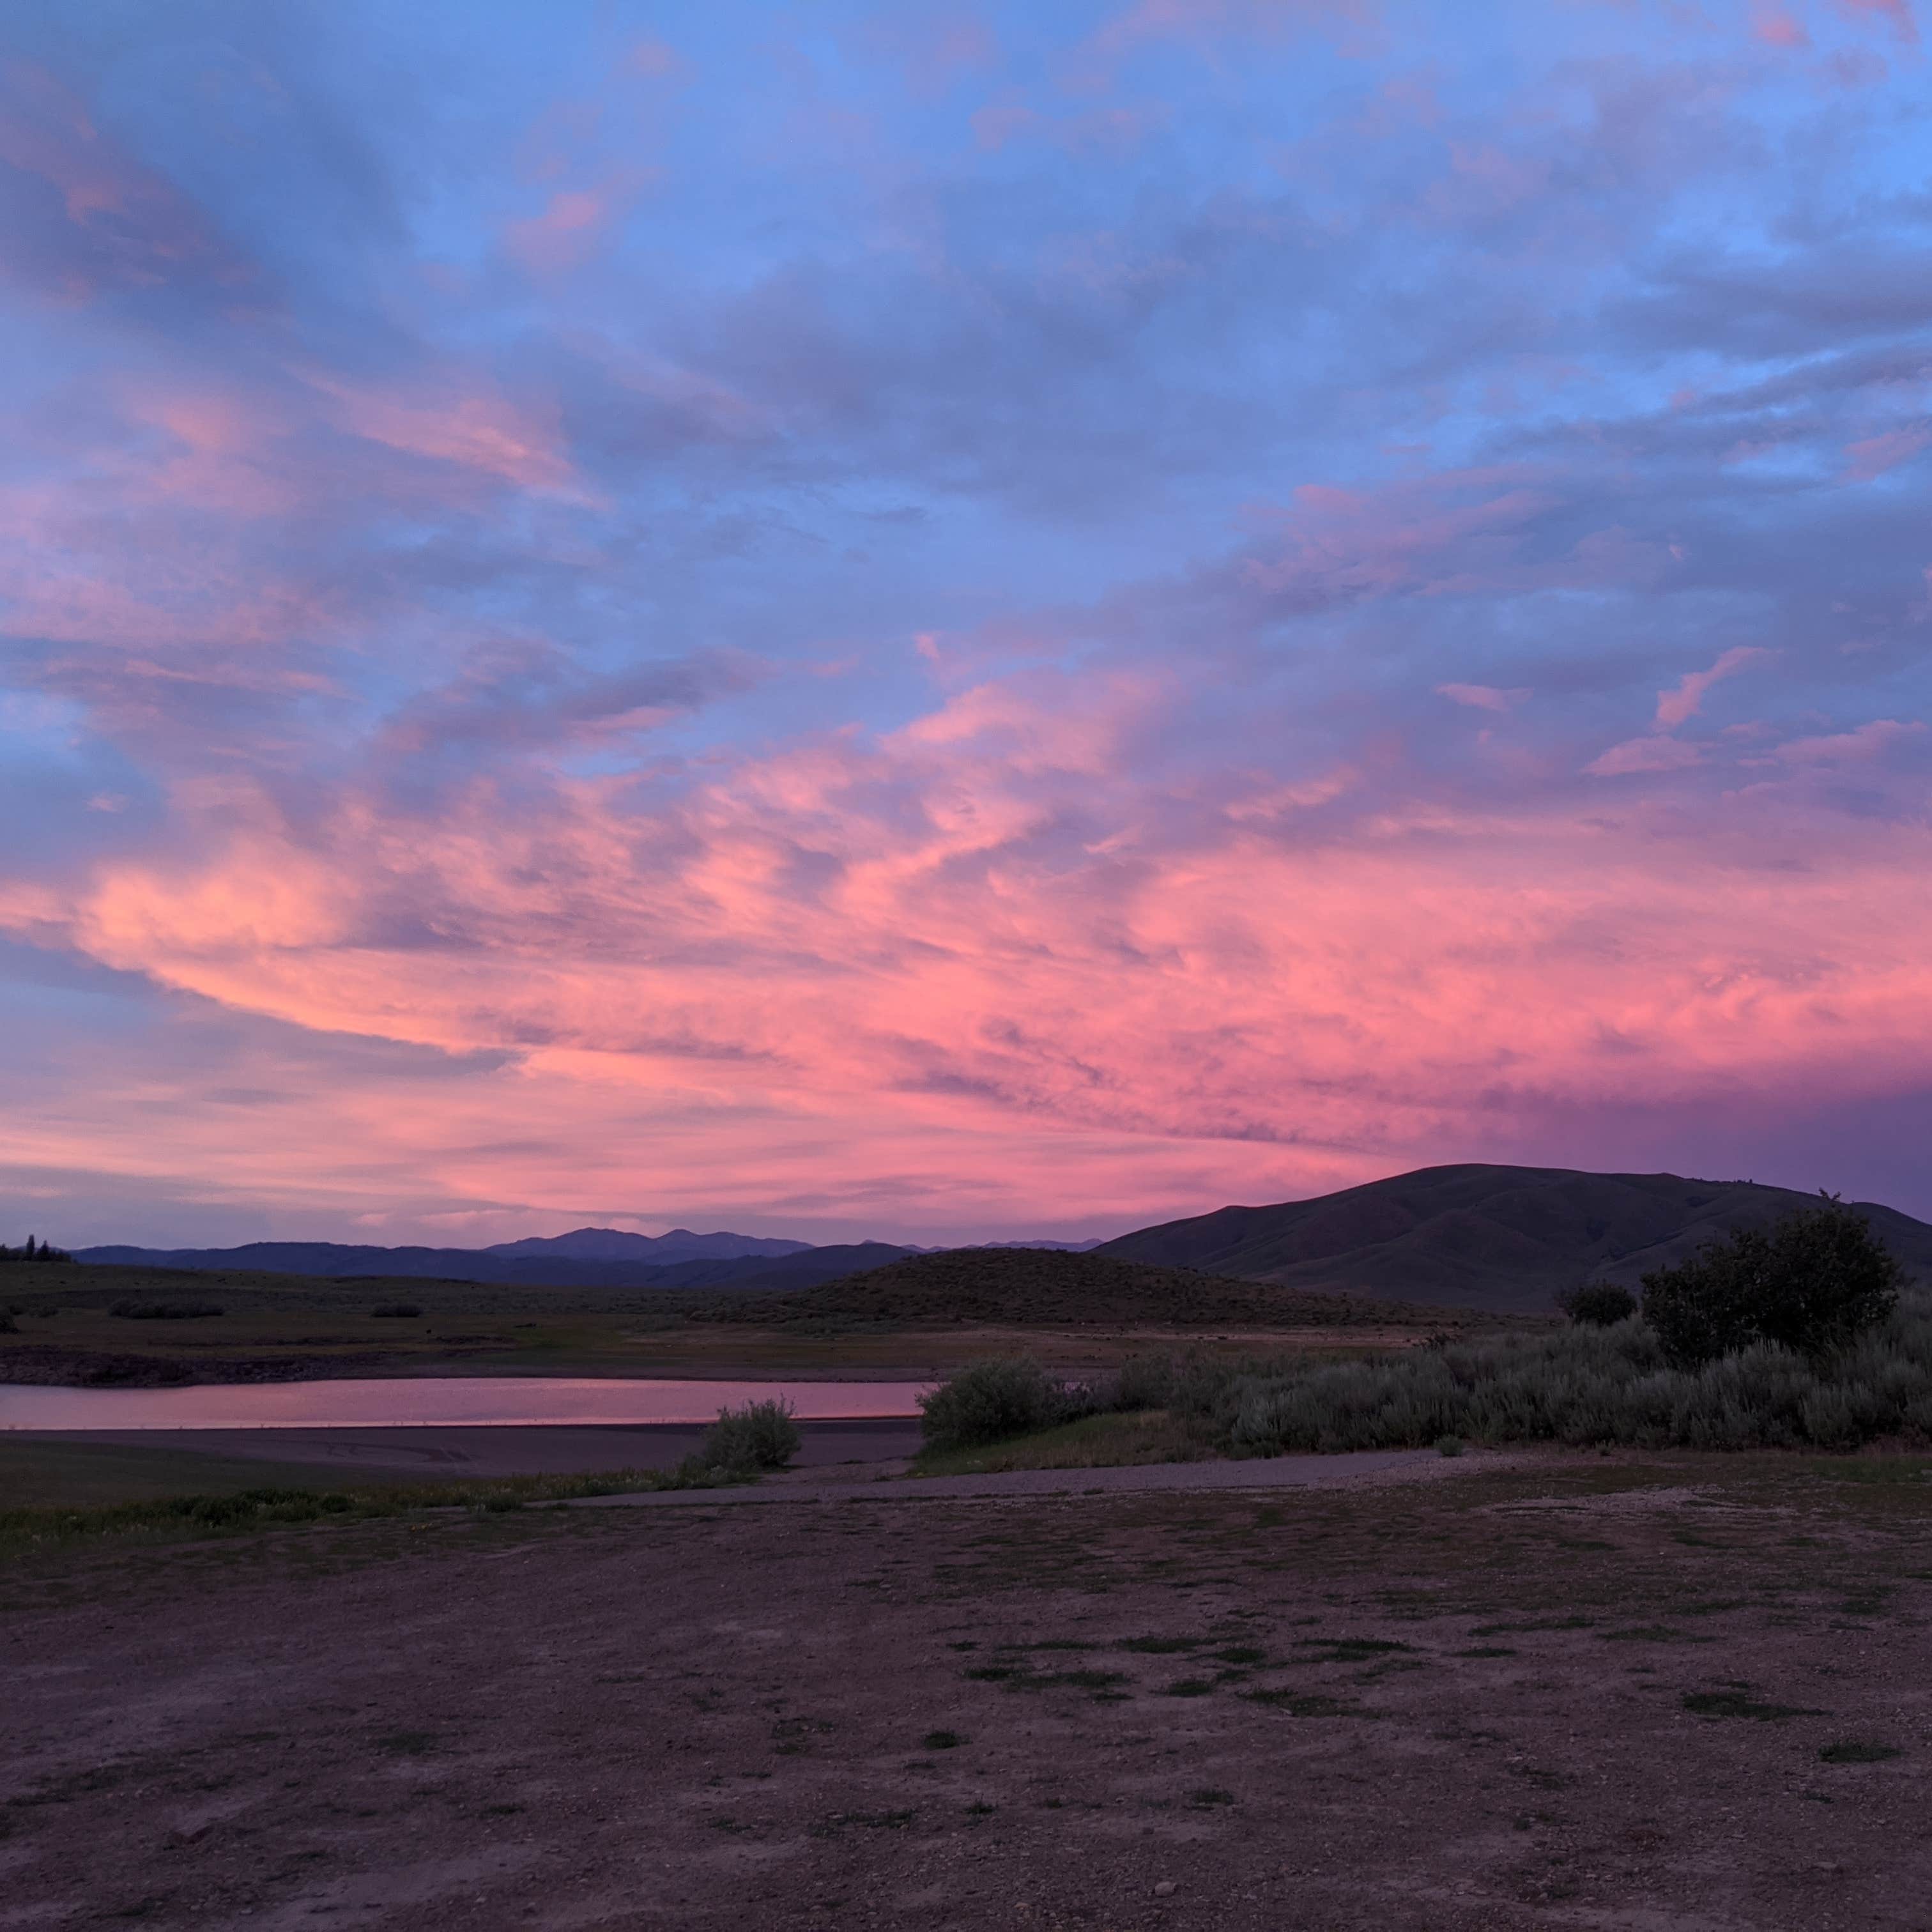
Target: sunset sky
951,621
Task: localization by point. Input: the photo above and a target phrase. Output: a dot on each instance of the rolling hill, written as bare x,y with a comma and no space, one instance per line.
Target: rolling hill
1052,1287
1503,1238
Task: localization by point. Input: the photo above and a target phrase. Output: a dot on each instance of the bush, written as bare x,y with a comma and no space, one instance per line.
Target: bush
1581,1385
1818,1278
401,1311
986,1402
761,1435
166,1311
1601,1305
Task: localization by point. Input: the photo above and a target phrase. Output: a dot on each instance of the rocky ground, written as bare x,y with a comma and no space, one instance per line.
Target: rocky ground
1681,1694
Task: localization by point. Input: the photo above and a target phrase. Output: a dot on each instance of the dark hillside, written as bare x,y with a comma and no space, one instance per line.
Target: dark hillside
336,1261
1504,1238
1048,1287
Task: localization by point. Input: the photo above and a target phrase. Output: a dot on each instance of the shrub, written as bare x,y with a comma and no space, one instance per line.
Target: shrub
761,1435
1602,1304
166,1311
403,1311
1818,1278
986,1402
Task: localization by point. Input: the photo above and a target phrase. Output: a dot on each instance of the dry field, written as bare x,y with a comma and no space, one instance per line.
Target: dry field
1645,1695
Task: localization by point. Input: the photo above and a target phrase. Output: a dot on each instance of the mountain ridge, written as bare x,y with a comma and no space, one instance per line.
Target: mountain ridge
1477,1235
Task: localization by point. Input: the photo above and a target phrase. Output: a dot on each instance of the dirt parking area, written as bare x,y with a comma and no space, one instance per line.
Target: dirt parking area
1689,1693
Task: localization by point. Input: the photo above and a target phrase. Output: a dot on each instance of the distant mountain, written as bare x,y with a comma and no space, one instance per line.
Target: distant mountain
803,1267
612,1244
1504,1238
1055,1247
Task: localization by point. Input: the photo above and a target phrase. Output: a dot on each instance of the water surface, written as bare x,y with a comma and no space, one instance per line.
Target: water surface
484,1401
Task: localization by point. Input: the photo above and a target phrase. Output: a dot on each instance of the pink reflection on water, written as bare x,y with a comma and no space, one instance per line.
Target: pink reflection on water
472,1401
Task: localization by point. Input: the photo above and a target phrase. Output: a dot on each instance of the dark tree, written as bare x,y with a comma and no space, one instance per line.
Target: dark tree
1601,1305
1818,1278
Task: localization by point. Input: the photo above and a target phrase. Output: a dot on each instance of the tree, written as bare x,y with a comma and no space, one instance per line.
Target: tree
1818,1278
1602,1304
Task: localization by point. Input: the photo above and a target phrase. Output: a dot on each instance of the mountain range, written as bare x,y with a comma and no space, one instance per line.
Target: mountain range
1507,1239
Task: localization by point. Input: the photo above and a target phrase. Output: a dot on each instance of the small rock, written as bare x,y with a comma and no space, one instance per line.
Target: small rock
1165,1889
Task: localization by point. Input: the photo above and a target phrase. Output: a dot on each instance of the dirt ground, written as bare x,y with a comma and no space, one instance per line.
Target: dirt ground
1586,1694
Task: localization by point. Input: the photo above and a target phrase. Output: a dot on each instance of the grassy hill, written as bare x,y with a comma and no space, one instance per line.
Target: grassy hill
1509,1239
1042,1288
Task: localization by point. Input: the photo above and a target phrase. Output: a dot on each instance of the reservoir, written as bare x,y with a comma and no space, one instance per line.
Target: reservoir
443,1401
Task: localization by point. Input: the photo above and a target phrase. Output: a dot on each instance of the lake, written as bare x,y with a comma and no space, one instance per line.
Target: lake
475,1401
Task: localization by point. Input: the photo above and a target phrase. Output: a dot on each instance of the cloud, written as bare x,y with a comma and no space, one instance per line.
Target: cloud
1482,696
1874,455
1866,742
900,679
1686,699
1645,755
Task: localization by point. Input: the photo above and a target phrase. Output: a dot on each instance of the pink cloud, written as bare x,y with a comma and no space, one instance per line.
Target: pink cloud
137,230
478,431
1898,14
988,960
1684,700
1875,454
1861,746
1645,755
573,223
1778,28
1482,696
657,59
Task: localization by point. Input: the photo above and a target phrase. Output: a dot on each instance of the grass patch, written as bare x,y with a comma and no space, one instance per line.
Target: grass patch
1094,1442
1740,1704
1302,1704
1348,1649
408,1744
25,1531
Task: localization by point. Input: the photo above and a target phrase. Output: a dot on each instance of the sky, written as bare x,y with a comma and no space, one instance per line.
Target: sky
952,621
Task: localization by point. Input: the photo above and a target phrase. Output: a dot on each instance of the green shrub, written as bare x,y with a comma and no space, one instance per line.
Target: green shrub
166,1311
986,1402
1581,1385
1601,1305
1818,1278
761,1435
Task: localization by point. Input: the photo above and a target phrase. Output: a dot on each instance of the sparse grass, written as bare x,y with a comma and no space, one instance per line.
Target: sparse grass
1189,1687
1851,1752
1740,1704
1348,1649
1111,1440
408,1744
1301,1704
1208,1796
941,1741
23,1532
